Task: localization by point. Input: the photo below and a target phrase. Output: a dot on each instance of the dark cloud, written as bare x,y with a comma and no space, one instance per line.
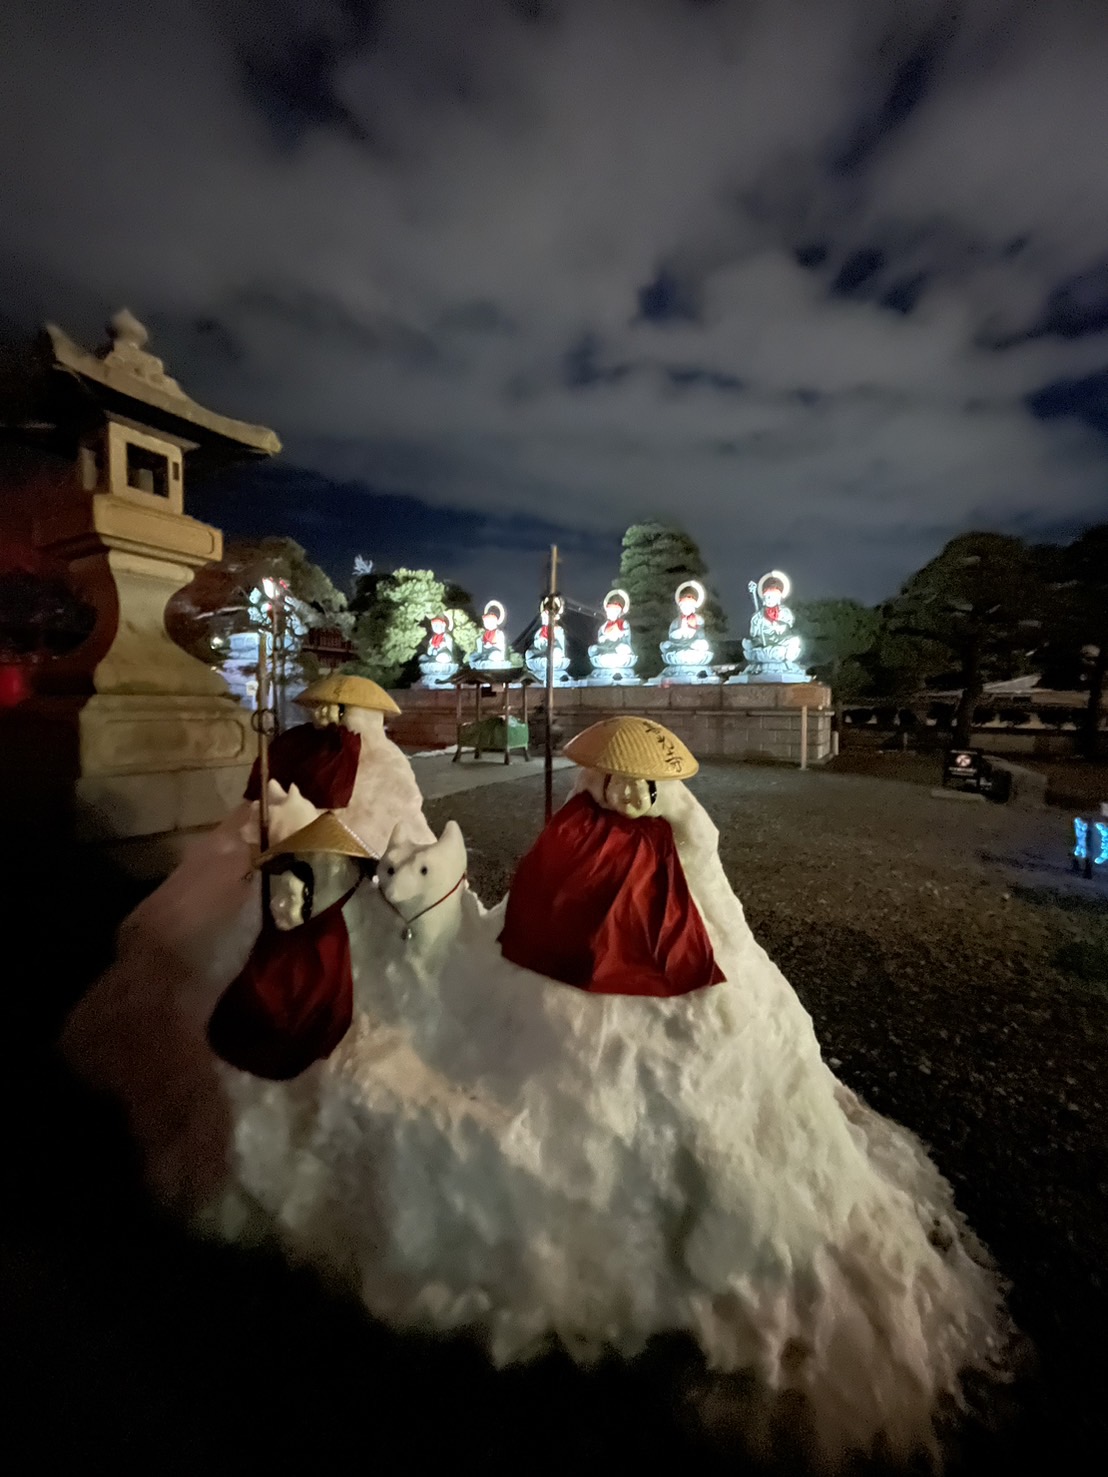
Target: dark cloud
824,283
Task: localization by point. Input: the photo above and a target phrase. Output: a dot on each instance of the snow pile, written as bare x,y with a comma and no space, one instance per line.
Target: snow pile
493,1151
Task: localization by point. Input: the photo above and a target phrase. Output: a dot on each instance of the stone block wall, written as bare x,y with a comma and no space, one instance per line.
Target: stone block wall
742,722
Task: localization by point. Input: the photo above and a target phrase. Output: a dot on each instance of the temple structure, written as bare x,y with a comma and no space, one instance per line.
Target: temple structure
127,737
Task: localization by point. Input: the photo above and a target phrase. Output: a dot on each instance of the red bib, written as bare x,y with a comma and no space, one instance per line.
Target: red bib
321,762
293,1002
601,902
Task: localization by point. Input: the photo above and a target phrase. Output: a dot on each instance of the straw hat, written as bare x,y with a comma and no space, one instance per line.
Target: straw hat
326,833
636,748
352,692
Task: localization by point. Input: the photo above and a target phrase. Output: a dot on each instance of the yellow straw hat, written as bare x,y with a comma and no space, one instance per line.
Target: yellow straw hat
352,692
636,748
325,833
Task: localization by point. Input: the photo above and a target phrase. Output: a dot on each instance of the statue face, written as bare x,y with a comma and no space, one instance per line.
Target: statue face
286,901
438,625
490,622
613,611
628,797
687,604
325,713
771,595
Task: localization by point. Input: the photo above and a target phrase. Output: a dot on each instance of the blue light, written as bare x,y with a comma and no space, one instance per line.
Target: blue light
1102,832
1081,831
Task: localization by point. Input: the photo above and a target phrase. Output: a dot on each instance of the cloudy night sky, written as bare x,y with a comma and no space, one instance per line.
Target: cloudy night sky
825,281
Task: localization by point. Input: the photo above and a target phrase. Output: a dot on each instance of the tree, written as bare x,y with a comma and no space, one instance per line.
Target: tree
222,601
979,598
392,614
655,560
836,634
1075,645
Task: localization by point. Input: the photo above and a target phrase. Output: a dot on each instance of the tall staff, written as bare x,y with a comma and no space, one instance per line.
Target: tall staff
263,727
548,757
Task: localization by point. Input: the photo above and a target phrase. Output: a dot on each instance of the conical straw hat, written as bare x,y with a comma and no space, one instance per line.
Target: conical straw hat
325,833
352,692
636,748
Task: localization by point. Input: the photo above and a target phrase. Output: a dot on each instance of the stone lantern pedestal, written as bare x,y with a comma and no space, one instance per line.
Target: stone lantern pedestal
128,738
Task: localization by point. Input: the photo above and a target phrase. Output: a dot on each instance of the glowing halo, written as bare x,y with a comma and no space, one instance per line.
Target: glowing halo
775,574
618,597
696,587
499,607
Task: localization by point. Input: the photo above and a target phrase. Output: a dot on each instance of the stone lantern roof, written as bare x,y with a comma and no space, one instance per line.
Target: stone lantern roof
54,392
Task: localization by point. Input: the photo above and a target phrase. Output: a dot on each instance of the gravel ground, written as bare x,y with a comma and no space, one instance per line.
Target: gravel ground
957,973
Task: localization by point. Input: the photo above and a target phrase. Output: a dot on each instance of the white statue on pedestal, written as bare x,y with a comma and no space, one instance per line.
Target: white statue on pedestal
438,663
550,614
687,653
612,655
493,650
772,652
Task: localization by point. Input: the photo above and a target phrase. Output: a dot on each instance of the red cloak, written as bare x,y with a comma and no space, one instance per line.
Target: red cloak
601,902
294,1000
321,762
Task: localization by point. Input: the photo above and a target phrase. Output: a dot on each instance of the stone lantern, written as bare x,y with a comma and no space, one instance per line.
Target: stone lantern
128,732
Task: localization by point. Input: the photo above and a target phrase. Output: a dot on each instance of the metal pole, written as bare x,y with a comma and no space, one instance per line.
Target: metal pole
804,738
263,723
548,756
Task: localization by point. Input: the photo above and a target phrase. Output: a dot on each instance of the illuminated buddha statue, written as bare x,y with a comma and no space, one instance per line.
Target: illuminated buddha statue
493,650
687,653
550,613
771,650
612,655
438,663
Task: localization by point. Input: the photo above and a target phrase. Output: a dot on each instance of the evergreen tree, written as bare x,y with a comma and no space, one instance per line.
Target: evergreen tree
980,598
837,635
393,611
655,560
1075,634
223,601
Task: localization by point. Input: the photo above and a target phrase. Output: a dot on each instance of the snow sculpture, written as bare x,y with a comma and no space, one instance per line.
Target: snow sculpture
293,1001
492,1151
550,614
553,1165
185,943
493,650
612,654
438,664
772,653
687,653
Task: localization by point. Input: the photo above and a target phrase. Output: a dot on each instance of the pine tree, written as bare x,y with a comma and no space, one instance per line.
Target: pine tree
655,560
393,612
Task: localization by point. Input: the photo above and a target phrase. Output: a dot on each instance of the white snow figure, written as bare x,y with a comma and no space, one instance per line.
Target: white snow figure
139,1033
492,1150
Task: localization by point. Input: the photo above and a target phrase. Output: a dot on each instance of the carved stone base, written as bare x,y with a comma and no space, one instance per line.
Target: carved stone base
772,672
122,766
687,676
612,677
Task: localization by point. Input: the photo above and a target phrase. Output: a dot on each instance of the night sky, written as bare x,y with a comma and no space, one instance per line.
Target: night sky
826,281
